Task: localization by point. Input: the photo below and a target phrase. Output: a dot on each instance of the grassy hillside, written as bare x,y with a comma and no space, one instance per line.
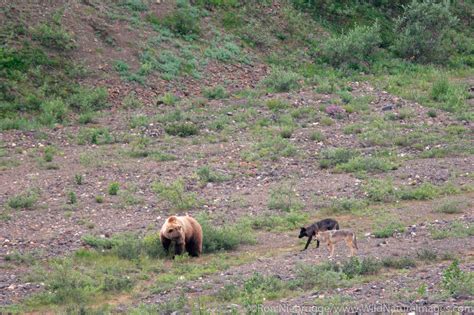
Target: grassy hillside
256,117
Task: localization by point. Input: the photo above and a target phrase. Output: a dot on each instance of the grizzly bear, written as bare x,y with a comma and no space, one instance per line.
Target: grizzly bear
185,232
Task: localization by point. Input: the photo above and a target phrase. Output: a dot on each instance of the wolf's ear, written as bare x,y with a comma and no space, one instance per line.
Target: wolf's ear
303,229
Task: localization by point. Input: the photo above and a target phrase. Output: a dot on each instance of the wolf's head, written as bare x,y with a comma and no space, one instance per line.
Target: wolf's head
303,233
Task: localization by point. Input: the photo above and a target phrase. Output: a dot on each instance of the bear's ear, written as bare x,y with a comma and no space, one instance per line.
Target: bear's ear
172,219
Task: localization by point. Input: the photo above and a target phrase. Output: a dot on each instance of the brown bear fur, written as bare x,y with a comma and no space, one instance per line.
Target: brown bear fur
185,231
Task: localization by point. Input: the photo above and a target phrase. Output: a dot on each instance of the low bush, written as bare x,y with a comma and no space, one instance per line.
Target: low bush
182,129
24,200
175,195
208,175
184,20
367,164
113,188
399,262
215,93
225,237
355,49
426,32
282,81
284,198
389,229
457,282
335,156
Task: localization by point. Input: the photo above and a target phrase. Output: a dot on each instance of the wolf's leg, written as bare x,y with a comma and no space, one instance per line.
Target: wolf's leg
309,241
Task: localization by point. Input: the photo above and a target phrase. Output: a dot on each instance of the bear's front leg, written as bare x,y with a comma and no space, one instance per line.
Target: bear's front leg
166,244
178,248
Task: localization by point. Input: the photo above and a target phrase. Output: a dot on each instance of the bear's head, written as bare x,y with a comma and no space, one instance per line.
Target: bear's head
173,229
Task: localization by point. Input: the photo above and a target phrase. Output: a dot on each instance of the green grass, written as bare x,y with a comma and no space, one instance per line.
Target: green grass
388,229
226,237
270,148
113,188
452,206
25,200
399,262
282,81
215,93
454,229
182,129
456,281
284,198
175,195
283,222
208,175
336,156
367,164
347,205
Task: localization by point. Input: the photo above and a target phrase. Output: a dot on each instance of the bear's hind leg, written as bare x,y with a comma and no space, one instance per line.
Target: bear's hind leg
192,247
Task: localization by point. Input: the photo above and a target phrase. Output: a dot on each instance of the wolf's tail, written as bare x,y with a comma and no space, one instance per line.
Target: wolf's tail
336,227
354,239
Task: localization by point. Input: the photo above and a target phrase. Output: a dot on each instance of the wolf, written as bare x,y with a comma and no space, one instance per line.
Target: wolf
336,236
323,225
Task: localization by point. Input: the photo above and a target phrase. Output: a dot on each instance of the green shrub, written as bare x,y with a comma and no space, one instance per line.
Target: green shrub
344,205
89,99
53,111
282,81
48,153
86,118
215,93
367,164
259,288
389,229
184,20
276,105
454,229
356,267
95,136
182,129
217,3
114,188
427,255
135,5
425,32
335,156
271,148
456,281
71,198
24,200
317,136
131,101
322,276
399,262
424,191
272,222
228,51
449,96
225,237
168,99
354,49
128,246
284,198
208,175
381,190
53,35
451,206
175,195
